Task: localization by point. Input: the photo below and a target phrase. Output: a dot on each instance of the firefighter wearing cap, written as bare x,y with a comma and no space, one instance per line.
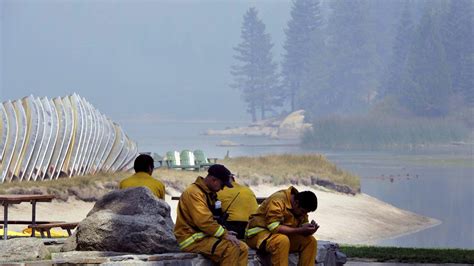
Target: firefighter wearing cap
281,226
196,229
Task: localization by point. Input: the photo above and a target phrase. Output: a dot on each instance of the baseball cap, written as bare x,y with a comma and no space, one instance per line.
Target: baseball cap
221,172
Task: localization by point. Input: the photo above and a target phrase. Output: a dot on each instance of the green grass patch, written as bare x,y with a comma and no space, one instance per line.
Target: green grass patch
409,255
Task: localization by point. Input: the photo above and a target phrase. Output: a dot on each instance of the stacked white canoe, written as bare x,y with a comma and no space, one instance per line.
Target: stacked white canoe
43,139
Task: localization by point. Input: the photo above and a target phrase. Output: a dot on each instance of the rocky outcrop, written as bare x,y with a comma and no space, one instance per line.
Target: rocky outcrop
131,220
23,249
292,127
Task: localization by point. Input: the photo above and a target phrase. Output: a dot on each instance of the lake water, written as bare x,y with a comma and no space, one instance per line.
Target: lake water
437,183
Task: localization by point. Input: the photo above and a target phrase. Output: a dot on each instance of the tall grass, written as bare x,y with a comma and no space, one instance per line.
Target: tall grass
374,132
284,169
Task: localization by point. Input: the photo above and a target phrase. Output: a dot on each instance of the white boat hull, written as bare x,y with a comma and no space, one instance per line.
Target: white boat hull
43,139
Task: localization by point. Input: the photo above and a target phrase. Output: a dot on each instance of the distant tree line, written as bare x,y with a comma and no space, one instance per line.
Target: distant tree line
413,58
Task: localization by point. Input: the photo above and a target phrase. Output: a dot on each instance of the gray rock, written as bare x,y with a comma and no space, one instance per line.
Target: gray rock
131,220
23,249
329,254
70,244
85,254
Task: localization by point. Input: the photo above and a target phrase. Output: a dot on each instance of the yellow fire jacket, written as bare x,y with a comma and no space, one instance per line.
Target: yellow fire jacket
273,212
142,179
244,204
194,218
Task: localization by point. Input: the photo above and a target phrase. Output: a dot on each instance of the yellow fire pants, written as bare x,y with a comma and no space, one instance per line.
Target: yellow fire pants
280,246
223,252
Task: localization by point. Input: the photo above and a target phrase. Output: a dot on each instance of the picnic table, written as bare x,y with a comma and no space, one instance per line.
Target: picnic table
7,200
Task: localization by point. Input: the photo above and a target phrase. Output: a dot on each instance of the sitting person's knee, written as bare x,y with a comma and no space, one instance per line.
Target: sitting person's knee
281,239
312,241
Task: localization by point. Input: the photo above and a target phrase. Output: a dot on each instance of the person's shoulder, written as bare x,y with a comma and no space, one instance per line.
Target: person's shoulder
192,189
126,179
279,194
156,181
159,184
278,197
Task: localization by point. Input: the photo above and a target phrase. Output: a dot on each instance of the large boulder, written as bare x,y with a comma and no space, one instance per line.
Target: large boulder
292,127
23,249
131,220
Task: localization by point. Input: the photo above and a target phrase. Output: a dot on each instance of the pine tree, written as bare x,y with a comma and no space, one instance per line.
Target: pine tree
354,62
427,86
396,70
256,74
459,45
305,19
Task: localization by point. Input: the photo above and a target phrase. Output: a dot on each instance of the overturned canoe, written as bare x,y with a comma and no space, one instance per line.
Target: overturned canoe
43,139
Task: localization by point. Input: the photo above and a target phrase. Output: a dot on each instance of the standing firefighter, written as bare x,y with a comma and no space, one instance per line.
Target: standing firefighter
196,228
281,226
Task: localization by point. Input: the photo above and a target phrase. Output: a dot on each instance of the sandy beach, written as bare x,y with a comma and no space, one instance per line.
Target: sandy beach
359,219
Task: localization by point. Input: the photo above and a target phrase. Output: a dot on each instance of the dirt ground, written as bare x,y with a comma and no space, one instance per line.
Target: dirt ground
359,219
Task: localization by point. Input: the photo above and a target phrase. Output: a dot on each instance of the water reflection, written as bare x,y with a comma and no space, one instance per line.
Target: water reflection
441,191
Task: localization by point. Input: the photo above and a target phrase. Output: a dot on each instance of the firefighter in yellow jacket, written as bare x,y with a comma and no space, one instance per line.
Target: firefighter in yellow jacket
238,203
144,166
281,226
196,228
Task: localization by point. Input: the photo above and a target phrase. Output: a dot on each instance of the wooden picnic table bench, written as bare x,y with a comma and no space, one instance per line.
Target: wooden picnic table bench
48,226
7,200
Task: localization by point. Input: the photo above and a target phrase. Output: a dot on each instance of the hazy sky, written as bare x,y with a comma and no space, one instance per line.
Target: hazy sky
131,59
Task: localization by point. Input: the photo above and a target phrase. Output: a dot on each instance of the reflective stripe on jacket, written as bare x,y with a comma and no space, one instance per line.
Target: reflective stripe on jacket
194,218
273,212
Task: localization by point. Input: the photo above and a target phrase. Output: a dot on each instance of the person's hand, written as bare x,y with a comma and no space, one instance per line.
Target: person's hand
309,228
315,224
231,236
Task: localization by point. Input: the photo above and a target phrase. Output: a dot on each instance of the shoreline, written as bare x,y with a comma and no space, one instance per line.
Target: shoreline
357,219
344,218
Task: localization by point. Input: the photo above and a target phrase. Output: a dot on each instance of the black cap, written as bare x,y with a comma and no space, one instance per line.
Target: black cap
221,172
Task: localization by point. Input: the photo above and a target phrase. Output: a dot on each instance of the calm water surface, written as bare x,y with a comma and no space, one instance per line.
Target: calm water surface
437,184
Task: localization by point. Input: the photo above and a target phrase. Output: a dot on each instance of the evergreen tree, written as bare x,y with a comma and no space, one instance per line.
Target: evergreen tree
305,19
354,64
396,70
459,45
427,86
256,74
315,90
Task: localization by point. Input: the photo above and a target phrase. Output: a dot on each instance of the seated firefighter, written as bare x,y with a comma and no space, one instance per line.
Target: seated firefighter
196,229
144,166
280,226
238,203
